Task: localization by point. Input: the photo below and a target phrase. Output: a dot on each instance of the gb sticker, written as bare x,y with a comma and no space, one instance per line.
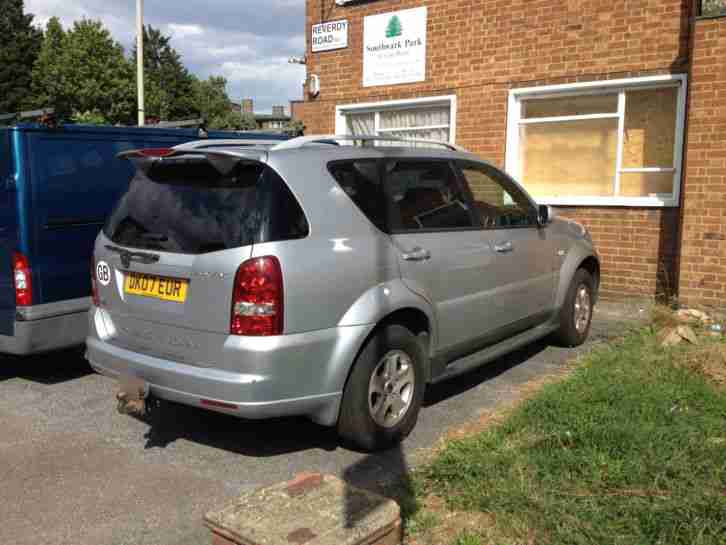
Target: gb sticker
103,272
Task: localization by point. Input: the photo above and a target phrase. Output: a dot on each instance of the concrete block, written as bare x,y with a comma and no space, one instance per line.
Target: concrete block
311,509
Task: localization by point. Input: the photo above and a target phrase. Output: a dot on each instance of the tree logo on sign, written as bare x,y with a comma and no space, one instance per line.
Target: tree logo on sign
394,28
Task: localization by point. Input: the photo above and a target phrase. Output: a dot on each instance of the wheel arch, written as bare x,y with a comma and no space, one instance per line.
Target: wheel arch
575,260
412,318
592,265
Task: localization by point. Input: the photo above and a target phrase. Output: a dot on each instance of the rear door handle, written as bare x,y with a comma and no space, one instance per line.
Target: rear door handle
417,254
504,247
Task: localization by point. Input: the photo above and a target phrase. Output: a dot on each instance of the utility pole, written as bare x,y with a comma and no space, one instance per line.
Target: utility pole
140,59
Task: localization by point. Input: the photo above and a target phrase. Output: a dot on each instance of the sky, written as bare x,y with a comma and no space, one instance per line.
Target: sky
246,41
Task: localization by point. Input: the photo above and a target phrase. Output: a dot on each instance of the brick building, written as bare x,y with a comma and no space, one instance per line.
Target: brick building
277,120
613,111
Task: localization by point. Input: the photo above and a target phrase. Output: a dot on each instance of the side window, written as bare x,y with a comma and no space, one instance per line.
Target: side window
287,219
361,182
426,195
499,203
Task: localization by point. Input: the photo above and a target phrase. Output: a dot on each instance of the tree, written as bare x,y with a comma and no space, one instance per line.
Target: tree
233,121
295,127
213,104
84,70
19,46
394,27
49,74
169,88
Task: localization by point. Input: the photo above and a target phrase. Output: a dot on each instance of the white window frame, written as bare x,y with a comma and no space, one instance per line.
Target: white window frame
341,126
517,96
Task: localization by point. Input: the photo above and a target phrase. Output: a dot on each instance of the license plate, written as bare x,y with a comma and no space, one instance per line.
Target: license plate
159,287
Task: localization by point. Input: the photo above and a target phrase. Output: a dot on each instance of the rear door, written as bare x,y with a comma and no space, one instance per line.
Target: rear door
8,233
442,253
172,248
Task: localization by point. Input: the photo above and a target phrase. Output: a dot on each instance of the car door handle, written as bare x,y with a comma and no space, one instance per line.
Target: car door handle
417,254
504,247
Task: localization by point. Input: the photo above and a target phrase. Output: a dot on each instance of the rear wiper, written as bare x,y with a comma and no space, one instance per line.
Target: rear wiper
157,237
127,256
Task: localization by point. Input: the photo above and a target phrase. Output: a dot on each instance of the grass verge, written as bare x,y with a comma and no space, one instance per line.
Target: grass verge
631,448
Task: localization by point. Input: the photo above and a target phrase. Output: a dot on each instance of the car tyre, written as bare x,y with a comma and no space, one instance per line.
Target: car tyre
576,313
385,390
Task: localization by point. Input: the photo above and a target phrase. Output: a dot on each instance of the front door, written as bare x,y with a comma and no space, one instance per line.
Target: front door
442,254
525,252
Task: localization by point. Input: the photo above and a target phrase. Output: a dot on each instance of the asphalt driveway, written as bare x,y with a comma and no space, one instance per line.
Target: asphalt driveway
73,471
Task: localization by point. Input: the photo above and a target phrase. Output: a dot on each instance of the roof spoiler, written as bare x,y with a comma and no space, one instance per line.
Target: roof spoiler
224,161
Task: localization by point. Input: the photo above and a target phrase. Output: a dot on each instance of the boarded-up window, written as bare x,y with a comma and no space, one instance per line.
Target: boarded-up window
603,143
570,105
650,128
569,158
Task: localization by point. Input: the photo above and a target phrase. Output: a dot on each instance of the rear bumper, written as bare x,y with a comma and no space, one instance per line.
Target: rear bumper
36,336
302,374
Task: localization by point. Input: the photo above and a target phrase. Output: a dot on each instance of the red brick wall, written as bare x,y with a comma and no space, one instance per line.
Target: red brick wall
480,49
703,252
637,247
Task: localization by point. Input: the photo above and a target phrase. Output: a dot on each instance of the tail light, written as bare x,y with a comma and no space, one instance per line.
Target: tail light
257,301
94,286
23,280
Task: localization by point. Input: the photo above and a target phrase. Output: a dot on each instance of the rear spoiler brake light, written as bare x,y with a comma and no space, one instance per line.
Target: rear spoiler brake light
222,160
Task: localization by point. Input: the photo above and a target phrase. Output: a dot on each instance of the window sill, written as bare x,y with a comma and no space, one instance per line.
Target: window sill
642,202
711,16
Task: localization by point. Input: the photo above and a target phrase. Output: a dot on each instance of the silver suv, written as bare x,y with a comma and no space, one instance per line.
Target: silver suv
319,278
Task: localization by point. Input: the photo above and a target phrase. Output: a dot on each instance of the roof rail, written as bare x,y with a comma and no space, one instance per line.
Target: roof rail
301,141
45,115
226,143
178,124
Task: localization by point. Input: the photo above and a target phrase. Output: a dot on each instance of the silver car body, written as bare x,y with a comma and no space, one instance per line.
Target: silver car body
340,282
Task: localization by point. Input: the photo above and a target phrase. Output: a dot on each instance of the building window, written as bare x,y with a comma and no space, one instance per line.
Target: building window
422,119
601,143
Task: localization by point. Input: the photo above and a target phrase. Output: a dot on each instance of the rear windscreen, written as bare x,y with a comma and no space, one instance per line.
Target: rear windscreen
187,206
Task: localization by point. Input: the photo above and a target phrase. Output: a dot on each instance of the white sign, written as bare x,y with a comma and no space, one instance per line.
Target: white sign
103,271
394,47
329,36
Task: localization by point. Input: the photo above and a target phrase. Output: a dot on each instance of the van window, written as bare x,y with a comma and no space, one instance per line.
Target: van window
187,206
74,182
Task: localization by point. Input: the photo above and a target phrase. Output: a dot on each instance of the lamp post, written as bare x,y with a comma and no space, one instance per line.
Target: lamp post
140,59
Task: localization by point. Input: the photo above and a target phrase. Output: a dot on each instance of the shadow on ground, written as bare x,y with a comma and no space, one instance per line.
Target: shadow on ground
51,368
169,422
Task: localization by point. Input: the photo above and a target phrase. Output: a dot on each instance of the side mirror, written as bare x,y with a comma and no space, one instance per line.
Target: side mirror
545,214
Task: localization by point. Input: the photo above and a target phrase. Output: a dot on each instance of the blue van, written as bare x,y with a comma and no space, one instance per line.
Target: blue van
56,187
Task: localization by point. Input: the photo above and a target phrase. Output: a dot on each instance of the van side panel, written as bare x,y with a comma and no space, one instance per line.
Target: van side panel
75,180
8,232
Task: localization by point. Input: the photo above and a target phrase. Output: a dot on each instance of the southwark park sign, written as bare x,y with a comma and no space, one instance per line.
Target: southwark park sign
394,47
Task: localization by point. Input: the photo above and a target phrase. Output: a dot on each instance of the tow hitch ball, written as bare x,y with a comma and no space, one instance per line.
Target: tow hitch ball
132,396
129,405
